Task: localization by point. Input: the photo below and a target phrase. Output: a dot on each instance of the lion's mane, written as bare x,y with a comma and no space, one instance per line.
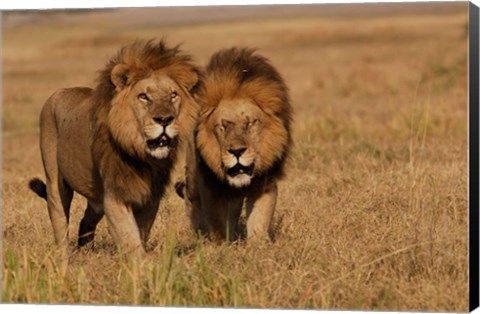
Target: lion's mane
119,155
240,73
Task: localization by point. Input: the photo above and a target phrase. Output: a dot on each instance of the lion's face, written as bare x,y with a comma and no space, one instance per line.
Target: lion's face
239,141
237,132
144,116
156,102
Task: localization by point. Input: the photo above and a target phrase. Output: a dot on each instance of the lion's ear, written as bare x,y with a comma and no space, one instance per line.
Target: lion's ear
119,76
192,80
188,77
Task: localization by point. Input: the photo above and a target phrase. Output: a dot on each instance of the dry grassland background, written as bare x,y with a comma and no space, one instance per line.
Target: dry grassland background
373,212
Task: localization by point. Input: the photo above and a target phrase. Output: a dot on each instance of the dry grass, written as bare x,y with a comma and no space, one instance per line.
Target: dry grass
373,214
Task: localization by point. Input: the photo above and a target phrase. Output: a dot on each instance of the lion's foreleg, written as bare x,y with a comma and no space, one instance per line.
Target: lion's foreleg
193,191
193,206
194,211
123,226
223,215
145,218
260,208
233,211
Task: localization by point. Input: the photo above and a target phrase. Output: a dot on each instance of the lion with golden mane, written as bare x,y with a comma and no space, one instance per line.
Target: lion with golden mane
116,144
239,147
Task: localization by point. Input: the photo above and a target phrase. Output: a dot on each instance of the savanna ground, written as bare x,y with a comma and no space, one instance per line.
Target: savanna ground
373,212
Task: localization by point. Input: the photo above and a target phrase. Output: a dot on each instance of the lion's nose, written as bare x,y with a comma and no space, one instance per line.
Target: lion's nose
163,121
237,152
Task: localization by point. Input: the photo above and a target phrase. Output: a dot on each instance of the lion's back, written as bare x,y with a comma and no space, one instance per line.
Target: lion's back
64,100
66,119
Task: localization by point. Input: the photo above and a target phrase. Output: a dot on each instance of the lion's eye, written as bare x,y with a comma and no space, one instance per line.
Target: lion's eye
252,122
143,97
219,127
173,96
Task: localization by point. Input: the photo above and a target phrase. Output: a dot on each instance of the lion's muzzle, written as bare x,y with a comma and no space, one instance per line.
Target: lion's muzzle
161,134
239,166
161,141
240,169
163,121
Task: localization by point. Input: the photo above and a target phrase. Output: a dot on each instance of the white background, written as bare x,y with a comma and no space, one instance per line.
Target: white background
52,4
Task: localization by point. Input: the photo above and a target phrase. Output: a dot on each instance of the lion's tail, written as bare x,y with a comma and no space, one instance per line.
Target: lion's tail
180,188
37,186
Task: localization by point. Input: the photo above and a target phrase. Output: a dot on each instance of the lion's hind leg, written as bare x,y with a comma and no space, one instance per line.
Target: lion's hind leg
59,198
58,192
93,214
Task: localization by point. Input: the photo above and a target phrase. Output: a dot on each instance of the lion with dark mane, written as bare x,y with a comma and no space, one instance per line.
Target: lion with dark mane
238,150
116,144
